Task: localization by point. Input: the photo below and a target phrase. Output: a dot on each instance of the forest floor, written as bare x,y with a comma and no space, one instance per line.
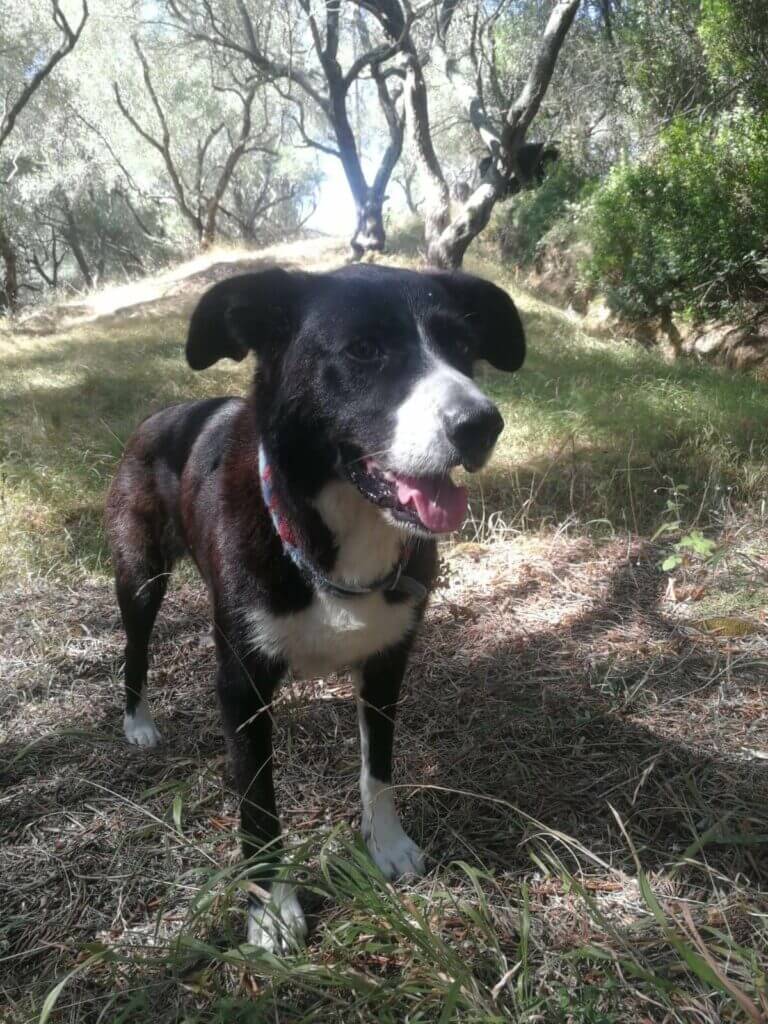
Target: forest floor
583,742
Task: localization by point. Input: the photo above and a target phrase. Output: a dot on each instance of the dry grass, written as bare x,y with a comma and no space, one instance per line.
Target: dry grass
582,753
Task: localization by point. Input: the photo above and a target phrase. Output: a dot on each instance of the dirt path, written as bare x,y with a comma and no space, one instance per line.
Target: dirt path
174,290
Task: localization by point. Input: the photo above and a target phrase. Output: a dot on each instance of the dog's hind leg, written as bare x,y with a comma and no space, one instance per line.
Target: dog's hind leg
142,567
140,597
378,685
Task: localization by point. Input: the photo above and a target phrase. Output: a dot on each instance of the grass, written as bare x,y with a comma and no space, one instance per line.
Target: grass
603,431
582,748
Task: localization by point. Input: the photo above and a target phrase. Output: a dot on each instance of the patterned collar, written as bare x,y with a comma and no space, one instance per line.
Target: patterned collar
394,579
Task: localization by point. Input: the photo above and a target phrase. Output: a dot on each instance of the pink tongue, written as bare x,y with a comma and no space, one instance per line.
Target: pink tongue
439,503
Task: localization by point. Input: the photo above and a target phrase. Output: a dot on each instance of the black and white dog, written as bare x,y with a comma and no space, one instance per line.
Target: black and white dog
311,509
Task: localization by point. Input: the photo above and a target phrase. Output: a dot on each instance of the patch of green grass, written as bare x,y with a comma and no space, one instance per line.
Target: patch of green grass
610,434
596,432
69,402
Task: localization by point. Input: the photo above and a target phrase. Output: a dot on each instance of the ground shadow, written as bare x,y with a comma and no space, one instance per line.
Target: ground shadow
565,723
600,715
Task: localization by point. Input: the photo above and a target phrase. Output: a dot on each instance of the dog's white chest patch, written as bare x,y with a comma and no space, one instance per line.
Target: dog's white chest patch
337,632
333,633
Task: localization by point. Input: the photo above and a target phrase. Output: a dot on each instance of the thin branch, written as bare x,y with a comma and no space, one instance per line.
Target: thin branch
375,56
163,147
233,157
108,146
246,224
394,112
66,46
137,217
35,261
202,149
221,39
310,142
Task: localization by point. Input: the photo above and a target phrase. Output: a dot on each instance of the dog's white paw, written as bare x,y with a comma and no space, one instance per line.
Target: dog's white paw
396,855
140,728
278,926
393,852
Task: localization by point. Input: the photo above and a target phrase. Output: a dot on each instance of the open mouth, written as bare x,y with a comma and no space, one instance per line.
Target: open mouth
433,503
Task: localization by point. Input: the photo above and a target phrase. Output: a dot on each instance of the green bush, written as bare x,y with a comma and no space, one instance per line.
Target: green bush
521,223
405,235
735,37
688,229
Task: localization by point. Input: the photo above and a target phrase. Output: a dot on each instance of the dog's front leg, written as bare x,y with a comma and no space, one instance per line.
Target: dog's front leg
246,684
378,689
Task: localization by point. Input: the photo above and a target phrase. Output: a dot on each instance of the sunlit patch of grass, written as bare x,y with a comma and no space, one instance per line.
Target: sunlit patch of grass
596,432
606,433
67,409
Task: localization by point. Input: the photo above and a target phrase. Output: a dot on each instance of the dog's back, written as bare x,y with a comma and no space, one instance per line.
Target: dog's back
144,498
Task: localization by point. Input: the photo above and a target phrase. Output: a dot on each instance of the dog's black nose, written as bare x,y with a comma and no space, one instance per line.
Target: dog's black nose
472,430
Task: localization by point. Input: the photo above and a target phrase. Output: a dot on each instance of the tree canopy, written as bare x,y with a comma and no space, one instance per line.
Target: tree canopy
132,135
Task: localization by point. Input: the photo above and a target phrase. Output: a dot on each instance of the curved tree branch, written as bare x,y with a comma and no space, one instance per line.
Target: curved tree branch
66,45
233,157
525,107
162,145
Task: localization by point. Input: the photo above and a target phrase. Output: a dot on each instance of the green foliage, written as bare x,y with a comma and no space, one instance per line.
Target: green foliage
86,198
735,37
686,229
664,59
405,235
525,220
692,544
680,222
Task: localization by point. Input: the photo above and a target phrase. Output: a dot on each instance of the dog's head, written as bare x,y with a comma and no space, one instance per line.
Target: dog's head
372,366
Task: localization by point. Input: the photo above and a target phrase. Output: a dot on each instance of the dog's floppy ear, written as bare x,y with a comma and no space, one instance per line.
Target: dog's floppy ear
493,317
251,312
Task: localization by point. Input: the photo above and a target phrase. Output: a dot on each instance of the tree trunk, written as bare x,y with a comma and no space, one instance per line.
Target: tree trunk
73,239
437,199
410,200
11,276
447,248
369,234
212,206
208,225
449,235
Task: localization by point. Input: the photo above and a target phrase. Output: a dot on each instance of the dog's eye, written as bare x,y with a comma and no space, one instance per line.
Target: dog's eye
363,350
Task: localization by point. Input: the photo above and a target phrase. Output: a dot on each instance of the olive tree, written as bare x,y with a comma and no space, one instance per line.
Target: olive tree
460,46
27,59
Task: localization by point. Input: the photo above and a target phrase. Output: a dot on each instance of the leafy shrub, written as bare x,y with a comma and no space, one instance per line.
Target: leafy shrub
664,59
735,36
523,221
405,235
688,229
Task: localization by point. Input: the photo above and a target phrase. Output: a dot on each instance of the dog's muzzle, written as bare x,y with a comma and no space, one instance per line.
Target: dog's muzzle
473,430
